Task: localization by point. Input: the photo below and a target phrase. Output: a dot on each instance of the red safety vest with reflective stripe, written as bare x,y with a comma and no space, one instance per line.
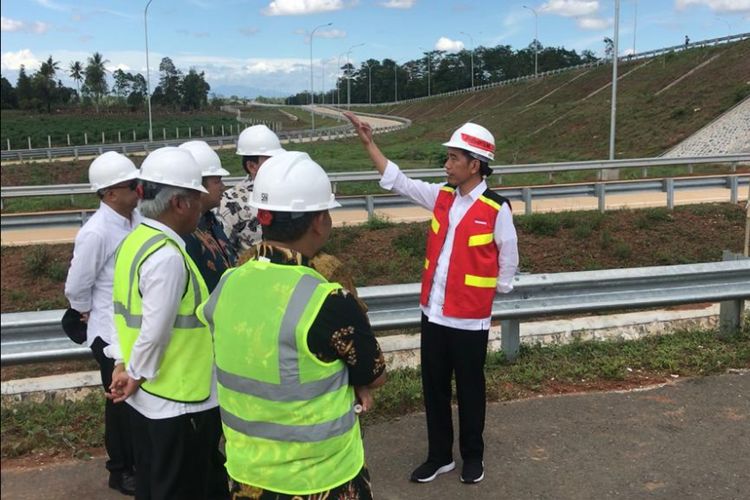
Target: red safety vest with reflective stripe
473,268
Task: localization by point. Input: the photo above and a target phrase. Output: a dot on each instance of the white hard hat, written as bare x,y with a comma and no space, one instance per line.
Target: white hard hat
174,167
475,139
258,140
206,158
109,169
292,182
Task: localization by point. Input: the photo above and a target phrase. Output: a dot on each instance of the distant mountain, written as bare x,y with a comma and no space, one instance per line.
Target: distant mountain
245,91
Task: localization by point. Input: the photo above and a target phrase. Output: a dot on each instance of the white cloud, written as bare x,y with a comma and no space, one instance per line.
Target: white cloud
301,7
49,4
399,4
15,26
448,45
334,33
114,67
14,60
10,25
594,23
717,5
570,8
249,30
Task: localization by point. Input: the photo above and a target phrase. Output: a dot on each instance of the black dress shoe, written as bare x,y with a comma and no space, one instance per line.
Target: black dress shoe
124,482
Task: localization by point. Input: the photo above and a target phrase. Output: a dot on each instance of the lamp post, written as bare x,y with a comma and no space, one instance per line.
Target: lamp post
613,174
429,63
536,40
395,80
312,91
369,83
472,56
148,74
349,76
323,80
635,22
338,88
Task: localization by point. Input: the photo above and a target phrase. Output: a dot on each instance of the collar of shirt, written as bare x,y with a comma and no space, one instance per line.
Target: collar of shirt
474,194
277,255
115,218
166,229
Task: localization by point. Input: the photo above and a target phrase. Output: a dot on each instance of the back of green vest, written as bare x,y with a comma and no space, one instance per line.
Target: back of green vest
288,417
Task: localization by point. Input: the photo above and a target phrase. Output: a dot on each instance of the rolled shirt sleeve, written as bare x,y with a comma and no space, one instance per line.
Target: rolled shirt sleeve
506,240
422,193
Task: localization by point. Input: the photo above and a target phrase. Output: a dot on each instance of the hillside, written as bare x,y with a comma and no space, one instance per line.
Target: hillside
566,116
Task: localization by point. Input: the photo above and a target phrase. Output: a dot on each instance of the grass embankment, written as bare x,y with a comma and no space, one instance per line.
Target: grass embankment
73,429
381,252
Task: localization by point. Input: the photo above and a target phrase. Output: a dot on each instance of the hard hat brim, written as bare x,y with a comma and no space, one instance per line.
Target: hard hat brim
220,172
132,175
269,153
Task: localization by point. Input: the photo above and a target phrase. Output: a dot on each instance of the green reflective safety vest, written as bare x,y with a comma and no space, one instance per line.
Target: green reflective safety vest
288,417
185,371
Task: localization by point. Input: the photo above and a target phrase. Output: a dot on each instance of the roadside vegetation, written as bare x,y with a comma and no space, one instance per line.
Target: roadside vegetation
75,429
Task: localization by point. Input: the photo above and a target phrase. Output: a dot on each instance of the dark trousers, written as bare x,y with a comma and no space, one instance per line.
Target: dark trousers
118,439
445,351
178,458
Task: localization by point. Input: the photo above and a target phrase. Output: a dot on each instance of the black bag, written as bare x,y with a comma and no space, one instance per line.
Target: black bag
73,327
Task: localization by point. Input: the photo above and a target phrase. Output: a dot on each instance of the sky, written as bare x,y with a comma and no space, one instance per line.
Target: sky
263,46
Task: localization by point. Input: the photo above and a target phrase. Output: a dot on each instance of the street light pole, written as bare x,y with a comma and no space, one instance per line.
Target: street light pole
148,74
312,91
349,76
338,87
395,80
635,22
536,40
369,83
613,174
472,56
429,63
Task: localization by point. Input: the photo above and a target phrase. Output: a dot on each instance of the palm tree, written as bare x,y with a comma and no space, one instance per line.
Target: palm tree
76,73
96,77
47,80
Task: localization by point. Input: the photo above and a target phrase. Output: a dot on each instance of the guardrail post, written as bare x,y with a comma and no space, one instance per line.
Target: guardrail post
734,166
102,137
49,142
119,136
690,168
124,149
8,141
86,138
601,195
75,152
669,188
734,183
510,338
190,132
212,131
644,172
222,131
101,150
177,132
526,195
49,155
370,206
29,138
201,130
731,311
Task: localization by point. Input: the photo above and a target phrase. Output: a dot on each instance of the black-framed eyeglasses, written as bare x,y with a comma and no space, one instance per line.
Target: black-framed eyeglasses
131,185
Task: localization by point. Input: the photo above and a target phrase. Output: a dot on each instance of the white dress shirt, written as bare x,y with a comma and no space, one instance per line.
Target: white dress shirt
425,194
88,287
163,278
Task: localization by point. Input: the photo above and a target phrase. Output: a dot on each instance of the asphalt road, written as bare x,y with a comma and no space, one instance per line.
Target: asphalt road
686,440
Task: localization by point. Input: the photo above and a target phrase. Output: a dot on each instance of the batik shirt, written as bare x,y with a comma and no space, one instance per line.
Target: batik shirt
210,250
239,219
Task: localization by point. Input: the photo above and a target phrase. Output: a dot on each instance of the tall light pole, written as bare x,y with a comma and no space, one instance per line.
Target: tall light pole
148,74
472,56
338,88
613,174
323,80
312,91
395,81
429,63
635,22
536,40
369,82
349,76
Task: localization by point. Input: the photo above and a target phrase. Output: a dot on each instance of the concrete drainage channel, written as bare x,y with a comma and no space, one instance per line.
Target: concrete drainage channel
403,350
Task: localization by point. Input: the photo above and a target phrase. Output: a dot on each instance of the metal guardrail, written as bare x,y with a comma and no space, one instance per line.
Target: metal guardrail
289,136
37,336
527,195
425,173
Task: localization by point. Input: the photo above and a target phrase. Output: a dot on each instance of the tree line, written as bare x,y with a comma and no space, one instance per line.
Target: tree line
438,72
42,90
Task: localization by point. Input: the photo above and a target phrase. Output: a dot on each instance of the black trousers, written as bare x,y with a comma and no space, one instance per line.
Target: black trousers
178,458
445,351
118,440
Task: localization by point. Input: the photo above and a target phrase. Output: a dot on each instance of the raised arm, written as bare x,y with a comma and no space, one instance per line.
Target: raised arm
364,131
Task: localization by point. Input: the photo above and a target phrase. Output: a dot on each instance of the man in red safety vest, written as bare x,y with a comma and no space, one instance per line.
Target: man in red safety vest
471,253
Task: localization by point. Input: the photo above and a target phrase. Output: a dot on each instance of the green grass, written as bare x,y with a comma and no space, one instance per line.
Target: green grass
72,428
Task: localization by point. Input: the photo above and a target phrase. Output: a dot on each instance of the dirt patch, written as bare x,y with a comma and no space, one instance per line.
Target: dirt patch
33,278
